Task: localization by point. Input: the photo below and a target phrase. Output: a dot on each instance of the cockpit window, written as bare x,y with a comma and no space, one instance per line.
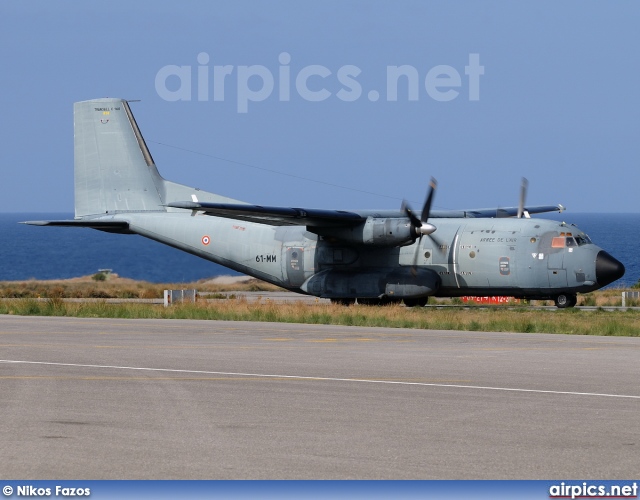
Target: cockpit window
583,239
569,241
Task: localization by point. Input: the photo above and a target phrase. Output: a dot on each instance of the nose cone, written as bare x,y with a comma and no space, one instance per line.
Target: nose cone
608,268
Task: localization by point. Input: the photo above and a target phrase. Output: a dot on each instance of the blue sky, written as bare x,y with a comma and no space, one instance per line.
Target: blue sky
557,102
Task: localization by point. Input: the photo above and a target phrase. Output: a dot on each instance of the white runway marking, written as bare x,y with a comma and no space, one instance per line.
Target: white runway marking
326,379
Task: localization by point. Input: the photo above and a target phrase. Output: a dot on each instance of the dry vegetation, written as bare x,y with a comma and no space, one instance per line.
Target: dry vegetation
116,288
124,288
47,298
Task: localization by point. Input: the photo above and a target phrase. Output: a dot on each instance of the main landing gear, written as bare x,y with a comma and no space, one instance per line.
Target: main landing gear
566,300
420,302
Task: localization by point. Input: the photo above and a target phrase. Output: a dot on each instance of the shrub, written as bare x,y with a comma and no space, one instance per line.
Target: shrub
588,300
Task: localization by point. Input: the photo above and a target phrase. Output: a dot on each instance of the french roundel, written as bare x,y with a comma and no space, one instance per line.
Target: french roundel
206,240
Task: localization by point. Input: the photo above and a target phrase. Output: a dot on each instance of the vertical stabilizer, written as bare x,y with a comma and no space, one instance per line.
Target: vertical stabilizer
114,171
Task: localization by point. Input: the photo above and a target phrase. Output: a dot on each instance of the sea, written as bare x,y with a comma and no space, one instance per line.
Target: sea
43,253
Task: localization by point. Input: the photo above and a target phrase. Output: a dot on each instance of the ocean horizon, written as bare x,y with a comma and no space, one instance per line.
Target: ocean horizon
45,253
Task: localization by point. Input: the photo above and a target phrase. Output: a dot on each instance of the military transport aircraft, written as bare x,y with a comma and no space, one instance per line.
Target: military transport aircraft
371,256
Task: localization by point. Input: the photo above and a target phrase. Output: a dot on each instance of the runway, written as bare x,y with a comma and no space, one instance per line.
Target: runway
173,399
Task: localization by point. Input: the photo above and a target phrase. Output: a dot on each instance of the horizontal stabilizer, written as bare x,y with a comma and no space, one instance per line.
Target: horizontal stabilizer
104,225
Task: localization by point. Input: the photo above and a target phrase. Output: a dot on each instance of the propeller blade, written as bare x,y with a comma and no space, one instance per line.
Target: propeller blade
523,196
427,204
415,222
438,245
421,226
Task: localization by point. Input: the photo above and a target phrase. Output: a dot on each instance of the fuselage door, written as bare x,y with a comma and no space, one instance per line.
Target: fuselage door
294,266
555,262
556,255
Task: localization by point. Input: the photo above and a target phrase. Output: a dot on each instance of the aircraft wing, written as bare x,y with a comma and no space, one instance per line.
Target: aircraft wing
274,216
285,216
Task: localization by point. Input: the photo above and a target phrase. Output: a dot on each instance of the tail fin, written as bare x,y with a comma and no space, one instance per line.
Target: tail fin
114,171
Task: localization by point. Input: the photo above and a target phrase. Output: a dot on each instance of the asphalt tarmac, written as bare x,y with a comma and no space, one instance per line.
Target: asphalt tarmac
173,399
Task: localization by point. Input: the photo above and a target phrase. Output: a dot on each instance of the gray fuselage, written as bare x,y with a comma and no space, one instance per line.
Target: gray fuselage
533,258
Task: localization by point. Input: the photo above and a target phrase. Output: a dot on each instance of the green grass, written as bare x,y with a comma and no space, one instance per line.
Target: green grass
498,319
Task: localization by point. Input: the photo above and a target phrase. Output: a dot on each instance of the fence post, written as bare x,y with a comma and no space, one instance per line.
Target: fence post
171,296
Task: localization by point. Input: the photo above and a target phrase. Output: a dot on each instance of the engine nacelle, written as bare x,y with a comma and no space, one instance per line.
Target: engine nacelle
379,231
402,283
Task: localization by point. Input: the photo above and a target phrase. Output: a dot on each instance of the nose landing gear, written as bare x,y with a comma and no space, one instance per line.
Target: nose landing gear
565,300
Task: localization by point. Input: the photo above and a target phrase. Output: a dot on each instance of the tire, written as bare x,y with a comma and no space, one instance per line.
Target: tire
420,302
566,300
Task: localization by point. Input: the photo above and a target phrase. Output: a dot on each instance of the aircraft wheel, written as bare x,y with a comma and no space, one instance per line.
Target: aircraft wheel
343,302
420,302
566,300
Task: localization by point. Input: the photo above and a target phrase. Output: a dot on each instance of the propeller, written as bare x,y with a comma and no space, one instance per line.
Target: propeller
421,225
523,195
